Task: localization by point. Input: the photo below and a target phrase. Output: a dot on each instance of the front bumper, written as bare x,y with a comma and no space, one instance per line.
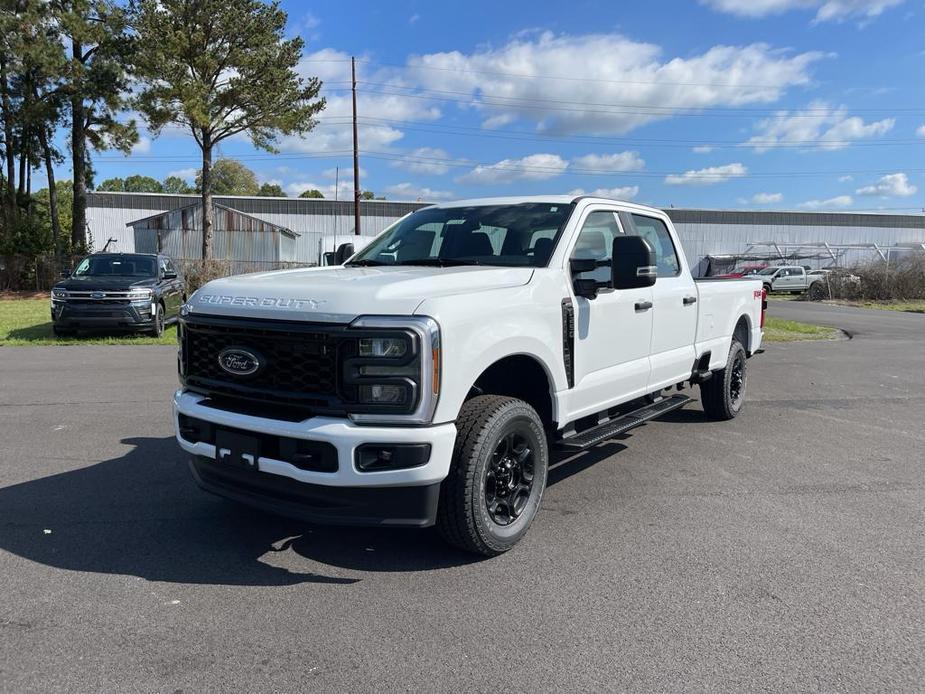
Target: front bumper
346,496
133,316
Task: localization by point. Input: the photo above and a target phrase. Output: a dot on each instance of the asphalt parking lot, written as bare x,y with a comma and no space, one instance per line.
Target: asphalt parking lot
782,551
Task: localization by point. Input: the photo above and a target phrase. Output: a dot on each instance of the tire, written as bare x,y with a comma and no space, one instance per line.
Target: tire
723,396
159,320
477,511
768,288
817,291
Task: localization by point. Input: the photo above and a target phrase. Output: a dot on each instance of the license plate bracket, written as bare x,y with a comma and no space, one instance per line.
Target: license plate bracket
237,449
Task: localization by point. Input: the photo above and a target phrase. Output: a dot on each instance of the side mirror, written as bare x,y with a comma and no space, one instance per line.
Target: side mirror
329,258
344,251
633,263
65,273
585,288
168,275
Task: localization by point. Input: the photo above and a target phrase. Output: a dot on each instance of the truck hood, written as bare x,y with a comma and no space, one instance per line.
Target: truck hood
340,294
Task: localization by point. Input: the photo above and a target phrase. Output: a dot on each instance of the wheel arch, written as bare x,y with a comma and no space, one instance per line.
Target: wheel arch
743,332
521,376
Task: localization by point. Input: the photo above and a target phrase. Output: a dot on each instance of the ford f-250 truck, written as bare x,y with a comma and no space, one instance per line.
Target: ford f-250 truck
426,380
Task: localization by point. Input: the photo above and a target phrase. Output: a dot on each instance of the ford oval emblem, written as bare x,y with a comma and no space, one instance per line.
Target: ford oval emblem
97,295
239,362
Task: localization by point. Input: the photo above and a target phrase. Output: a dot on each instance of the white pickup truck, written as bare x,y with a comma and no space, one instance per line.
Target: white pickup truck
788,278
427,379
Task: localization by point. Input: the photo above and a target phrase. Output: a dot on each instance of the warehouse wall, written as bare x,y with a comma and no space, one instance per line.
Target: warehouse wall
703,232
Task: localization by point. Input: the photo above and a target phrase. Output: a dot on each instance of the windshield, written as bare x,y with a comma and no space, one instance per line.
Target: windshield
769,271
507,235
122,266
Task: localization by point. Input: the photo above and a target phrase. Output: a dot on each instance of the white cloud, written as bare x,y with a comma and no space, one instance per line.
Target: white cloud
621,193
921,131
819,125
535,167
143,146
608,83
622,161
890,186
425,160
702,149
186,174
766,198
845,179
707,176
832,203
334,131
413,19
826,10
410,191
344,189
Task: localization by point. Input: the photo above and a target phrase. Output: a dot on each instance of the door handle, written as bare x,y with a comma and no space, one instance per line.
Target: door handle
643,305
688,300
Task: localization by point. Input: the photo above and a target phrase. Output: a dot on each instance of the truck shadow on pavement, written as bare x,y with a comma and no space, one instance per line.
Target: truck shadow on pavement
142,515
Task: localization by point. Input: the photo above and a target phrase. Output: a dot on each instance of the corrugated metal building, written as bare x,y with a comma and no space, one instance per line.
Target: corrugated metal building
248,242
704,233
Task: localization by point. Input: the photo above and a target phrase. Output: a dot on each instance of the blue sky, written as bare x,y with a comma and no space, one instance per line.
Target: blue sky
764,104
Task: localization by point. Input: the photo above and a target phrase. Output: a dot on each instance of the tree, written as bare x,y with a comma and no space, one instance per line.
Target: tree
370,195
271,190
177,186
311,193
230,177
112,185
142,184
220,68
96,82
32,63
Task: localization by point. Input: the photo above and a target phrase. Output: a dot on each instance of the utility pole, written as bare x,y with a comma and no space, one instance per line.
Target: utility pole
356,152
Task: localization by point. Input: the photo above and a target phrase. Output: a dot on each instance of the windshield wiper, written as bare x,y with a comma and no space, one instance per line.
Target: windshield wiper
366,262
440,262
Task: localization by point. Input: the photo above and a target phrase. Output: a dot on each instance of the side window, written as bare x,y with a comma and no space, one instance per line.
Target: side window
656,233
595,240
165,265
171,267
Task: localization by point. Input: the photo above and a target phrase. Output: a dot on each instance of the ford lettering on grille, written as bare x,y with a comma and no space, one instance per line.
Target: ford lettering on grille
239,362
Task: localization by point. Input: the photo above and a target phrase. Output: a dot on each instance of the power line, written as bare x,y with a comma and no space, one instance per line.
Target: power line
823,111
524,135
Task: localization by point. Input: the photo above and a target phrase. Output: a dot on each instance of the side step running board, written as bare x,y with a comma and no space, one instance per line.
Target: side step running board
620,425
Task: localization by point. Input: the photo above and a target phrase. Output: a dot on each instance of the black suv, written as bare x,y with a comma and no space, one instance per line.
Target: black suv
118,291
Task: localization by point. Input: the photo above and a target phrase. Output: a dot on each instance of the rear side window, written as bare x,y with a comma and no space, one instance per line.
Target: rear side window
656,233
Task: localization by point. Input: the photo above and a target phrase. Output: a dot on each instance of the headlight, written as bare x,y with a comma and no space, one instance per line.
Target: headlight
384,394
384,347
391,369
59,293
140,294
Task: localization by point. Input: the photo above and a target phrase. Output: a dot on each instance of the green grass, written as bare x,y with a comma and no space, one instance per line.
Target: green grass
25,322
780,330
907,306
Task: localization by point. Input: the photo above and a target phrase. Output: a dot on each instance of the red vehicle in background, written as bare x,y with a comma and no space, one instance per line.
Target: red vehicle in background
744,271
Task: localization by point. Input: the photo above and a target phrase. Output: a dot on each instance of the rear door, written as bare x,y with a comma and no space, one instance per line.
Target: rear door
612,331
674,299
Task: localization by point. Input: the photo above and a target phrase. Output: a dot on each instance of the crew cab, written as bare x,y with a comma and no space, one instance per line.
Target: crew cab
137,292
426,380
787,278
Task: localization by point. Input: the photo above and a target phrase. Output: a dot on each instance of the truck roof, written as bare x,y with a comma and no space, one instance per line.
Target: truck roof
551,199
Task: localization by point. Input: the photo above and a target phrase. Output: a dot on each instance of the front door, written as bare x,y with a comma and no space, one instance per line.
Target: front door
674,311
612,331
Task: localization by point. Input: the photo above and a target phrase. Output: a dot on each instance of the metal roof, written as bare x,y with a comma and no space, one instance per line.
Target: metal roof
198,203
781,218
